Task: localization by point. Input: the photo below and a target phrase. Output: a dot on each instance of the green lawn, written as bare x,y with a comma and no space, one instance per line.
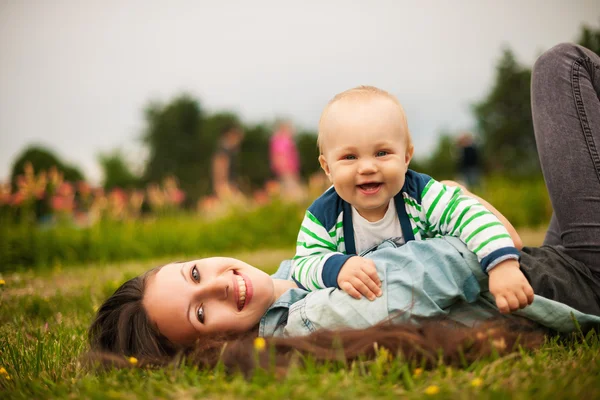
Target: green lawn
44,316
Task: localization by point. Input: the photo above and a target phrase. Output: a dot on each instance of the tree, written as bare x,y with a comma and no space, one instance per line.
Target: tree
177,146
504,121
441,164
254,168
306,141
590,38
116,172
42,159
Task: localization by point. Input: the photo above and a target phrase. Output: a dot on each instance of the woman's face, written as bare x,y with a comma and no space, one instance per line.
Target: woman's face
213,295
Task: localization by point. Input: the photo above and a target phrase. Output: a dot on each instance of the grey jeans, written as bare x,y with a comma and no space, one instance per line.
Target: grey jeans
565,91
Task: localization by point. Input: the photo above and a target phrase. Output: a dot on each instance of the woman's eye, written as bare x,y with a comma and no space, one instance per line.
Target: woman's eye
200,314
195,274
382,153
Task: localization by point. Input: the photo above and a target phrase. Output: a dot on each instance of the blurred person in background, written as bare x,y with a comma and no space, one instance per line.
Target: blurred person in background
468,161
225,162
285,160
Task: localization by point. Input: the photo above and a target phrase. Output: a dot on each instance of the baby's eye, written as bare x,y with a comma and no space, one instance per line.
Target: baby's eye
195,274
349,157
382,153
200,314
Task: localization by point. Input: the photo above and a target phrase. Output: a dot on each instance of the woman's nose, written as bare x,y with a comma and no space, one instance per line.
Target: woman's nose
214,288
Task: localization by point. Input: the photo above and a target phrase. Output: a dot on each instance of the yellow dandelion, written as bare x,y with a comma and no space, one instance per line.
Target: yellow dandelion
3,371
132,360
418,371
477,382
7,377
431,390
260,344
2,282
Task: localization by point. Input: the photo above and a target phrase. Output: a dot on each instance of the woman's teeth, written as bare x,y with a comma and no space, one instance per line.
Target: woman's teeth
242,292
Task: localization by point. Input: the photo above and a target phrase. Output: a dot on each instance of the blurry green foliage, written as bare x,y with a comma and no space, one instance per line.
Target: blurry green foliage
42,159
174,136
272,226
182,138
116,172
442,163
590,37
504,121
306,141
524,203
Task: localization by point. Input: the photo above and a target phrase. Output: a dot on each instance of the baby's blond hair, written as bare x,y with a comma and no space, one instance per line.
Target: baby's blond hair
364,91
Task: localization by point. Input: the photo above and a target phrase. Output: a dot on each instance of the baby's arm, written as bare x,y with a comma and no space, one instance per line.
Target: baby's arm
449,211
511,229
317,262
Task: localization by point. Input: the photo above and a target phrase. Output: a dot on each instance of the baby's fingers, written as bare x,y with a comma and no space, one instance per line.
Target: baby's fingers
363,288
502,304
371,271
529,293
348,288
373,287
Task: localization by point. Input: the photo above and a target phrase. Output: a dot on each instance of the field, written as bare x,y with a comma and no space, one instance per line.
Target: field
44,315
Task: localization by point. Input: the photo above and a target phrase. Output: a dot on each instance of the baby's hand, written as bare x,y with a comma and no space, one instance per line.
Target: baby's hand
510,287
359,276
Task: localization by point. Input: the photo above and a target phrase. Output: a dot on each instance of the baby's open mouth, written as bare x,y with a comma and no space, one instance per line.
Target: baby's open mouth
242,292
370,187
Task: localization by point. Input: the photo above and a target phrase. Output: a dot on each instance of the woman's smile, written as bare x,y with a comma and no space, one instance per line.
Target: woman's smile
243,289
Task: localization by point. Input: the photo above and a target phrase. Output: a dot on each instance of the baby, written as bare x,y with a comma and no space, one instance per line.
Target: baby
365,151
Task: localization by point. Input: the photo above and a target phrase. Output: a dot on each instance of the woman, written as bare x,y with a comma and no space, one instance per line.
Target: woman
187,306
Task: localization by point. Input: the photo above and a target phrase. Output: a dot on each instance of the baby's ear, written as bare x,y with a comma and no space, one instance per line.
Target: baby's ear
324,166
409,154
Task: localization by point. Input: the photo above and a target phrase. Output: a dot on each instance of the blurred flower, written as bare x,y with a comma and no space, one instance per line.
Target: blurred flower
84,188
273,188
117,201
155,197
2,282
418,371
136,199
259,344
173,194
431,390
17,199
4,373
132,360
477,382
5,193
261,197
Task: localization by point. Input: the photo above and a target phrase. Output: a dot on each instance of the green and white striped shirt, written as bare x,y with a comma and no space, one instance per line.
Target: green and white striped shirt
426,208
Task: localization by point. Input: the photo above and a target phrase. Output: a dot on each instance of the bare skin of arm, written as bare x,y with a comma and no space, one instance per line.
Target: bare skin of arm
511,229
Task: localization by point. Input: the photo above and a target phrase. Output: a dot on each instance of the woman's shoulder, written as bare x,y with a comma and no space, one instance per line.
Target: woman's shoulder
284,271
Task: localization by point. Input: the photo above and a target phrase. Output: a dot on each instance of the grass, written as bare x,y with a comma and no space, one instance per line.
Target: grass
44,315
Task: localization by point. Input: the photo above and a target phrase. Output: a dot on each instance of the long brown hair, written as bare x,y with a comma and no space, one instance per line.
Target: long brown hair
122,326
122,329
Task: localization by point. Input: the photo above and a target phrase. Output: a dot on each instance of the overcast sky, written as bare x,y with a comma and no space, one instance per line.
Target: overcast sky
76,75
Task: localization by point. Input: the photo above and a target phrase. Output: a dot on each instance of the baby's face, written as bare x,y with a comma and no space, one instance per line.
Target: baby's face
364,152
